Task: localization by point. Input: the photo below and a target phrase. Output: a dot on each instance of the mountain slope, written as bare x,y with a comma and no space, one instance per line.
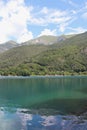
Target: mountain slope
71,55
42,40
47,40
20,54
8,45
68,56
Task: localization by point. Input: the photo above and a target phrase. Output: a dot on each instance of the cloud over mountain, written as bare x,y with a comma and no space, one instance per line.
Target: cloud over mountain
22,21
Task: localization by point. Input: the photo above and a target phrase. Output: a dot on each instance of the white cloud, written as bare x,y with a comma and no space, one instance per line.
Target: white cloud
86,5
84,15
14,16
64,25
77,30
47,16
25,36
72,3
74,11
45,10
48,121
48,32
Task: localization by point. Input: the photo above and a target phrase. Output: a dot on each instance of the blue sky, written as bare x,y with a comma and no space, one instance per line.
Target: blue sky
22,20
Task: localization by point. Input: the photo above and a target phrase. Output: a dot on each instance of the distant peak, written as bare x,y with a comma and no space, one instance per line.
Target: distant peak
11,42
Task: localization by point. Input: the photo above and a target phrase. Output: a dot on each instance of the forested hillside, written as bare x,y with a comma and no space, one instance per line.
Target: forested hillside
68,56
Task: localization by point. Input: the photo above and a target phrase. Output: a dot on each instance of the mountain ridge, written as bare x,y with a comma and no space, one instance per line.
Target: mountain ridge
45,40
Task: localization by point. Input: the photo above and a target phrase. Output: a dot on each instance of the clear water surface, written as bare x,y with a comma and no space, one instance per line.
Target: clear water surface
43,103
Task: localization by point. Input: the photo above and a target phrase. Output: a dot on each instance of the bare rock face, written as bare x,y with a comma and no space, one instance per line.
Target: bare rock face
85,50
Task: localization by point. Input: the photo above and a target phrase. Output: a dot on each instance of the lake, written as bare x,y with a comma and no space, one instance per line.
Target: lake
43,103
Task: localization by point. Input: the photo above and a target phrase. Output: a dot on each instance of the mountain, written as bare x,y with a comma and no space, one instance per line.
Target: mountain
7,45
19,55
47,40
68,56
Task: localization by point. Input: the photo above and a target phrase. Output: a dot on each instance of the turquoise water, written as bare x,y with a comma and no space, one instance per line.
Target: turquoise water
43,103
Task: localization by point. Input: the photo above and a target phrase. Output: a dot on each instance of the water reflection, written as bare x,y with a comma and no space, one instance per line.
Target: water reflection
21,120
43,103
9,121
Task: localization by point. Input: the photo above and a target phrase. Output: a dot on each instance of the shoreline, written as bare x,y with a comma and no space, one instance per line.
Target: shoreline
41,76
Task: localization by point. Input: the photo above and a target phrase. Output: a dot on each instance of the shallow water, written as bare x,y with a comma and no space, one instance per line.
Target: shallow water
43,103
